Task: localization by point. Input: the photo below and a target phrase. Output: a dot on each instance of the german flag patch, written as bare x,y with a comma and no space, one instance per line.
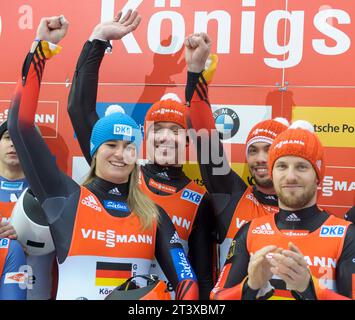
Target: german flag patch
112,274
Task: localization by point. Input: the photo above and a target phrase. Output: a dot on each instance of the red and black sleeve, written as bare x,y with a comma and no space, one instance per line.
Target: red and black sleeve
174,262
83,93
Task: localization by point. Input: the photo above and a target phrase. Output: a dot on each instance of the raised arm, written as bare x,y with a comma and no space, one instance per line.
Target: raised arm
39,166
214,166
83,92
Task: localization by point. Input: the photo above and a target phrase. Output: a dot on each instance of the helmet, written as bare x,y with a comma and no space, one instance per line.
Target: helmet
30,223
154,290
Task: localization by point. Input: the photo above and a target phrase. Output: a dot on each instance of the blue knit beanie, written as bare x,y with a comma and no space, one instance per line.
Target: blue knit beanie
116,126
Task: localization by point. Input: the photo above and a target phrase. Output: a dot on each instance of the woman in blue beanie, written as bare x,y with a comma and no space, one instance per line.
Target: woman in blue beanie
106,230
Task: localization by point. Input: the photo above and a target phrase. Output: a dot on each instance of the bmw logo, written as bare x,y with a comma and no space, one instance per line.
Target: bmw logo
227,122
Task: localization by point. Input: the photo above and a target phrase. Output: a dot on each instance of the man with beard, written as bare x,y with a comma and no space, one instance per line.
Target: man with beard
301,252
235,202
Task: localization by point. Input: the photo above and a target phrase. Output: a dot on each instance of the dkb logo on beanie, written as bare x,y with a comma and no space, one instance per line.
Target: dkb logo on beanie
122,129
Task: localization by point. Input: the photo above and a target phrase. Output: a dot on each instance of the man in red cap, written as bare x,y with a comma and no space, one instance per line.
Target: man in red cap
164,181
235,202
162,178
301,252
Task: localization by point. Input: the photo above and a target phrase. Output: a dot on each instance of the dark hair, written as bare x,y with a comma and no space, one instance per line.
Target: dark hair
3,128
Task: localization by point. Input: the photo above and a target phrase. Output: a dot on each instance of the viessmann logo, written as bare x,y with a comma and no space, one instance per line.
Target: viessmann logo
111,238
330,185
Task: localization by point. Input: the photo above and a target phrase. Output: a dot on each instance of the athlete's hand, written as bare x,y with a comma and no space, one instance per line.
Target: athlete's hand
52,29
197,50
259,272
117,28
292,268
7,231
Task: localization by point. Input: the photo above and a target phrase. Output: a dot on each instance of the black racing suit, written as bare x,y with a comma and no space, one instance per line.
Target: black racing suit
82,112
228,189
350,215
57,193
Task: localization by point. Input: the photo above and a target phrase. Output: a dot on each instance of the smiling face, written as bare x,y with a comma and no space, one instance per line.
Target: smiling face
166,144
295,182
8,155
257,157
115,160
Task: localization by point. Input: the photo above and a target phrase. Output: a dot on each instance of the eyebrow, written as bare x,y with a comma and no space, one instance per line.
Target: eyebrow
297,163
158,127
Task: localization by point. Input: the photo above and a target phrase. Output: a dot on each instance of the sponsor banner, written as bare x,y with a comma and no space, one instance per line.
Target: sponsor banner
320,36
193,172
46,116
234,122
335,127
336,192
250,36
4,110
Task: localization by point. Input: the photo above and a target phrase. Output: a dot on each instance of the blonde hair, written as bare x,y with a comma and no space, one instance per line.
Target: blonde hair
137,201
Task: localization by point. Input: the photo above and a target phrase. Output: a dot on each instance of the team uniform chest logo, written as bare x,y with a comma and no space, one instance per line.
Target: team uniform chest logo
332,231
227,122
111,238
191,196
11,186
263,229
162,187
116,205
90,202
